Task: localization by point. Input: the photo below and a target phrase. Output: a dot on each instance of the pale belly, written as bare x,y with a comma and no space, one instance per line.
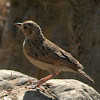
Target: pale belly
47,66
38,63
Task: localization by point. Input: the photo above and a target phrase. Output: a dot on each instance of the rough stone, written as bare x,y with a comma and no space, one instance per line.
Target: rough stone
12,87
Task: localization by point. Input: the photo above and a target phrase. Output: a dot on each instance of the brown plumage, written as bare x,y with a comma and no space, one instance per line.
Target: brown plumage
45,54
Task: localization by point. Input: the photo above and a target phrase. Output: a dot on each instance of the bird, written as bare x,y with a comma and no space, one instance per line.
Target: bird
46,55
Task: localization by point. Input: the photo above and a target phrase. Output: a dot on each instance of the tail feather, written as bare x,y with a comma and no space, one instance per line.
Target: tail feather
85,75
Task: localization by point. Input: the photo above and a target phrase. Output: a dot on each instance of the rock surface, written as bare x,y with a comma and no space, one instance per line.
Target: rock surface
12,87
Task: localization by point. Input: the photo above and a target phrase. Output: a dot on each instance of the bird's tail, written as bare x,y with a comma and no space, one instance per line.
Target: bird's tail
85,75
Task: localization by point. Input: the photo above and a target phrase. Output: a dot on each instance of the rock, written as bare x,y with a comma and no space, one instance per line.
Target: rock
12,87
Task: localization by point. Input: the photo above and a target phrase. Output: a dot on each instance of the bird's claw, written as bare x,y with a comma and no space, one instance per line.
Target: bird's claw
33,82
30,87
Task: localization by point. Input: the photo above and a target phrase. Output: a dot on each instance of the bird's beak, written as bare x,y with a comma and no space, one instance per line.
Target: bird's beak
18,25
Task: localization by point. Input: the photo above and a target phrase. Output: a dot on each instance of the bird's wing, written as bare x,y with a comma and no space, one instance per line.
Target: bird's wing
52,54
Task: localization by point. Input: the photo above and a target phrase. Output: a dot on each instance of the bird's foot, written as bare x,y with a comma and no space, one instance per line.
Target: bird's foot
37,87
30,87
33,82
43,80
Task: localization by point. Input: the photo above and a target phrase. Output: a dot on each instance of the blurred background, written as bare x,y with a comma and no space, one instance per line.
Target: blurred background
74,25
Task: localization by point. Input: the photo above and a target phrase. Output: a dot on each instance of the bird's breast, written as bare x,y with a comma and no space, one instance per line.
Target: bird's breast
32,55
40,64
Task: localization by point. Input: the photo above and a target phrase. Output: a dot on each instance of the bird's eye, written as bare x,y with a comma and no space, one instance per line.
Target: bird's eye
30,24
25,27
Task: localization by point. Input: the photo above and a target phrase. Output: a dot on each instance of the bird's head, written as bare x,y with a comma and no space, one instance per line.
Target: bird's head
29,28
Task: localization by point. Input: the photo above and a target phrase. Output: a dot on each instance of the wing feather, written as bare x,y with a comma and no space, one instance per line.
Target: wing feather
55,55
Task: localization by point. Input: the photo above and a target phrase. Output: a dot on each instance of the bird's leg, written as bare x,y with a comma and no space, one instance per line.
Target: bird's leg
43,80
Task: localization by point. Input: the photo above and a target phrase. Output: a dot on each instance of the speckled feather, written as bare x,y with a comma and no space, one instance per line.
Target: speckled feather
48,52
45,54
